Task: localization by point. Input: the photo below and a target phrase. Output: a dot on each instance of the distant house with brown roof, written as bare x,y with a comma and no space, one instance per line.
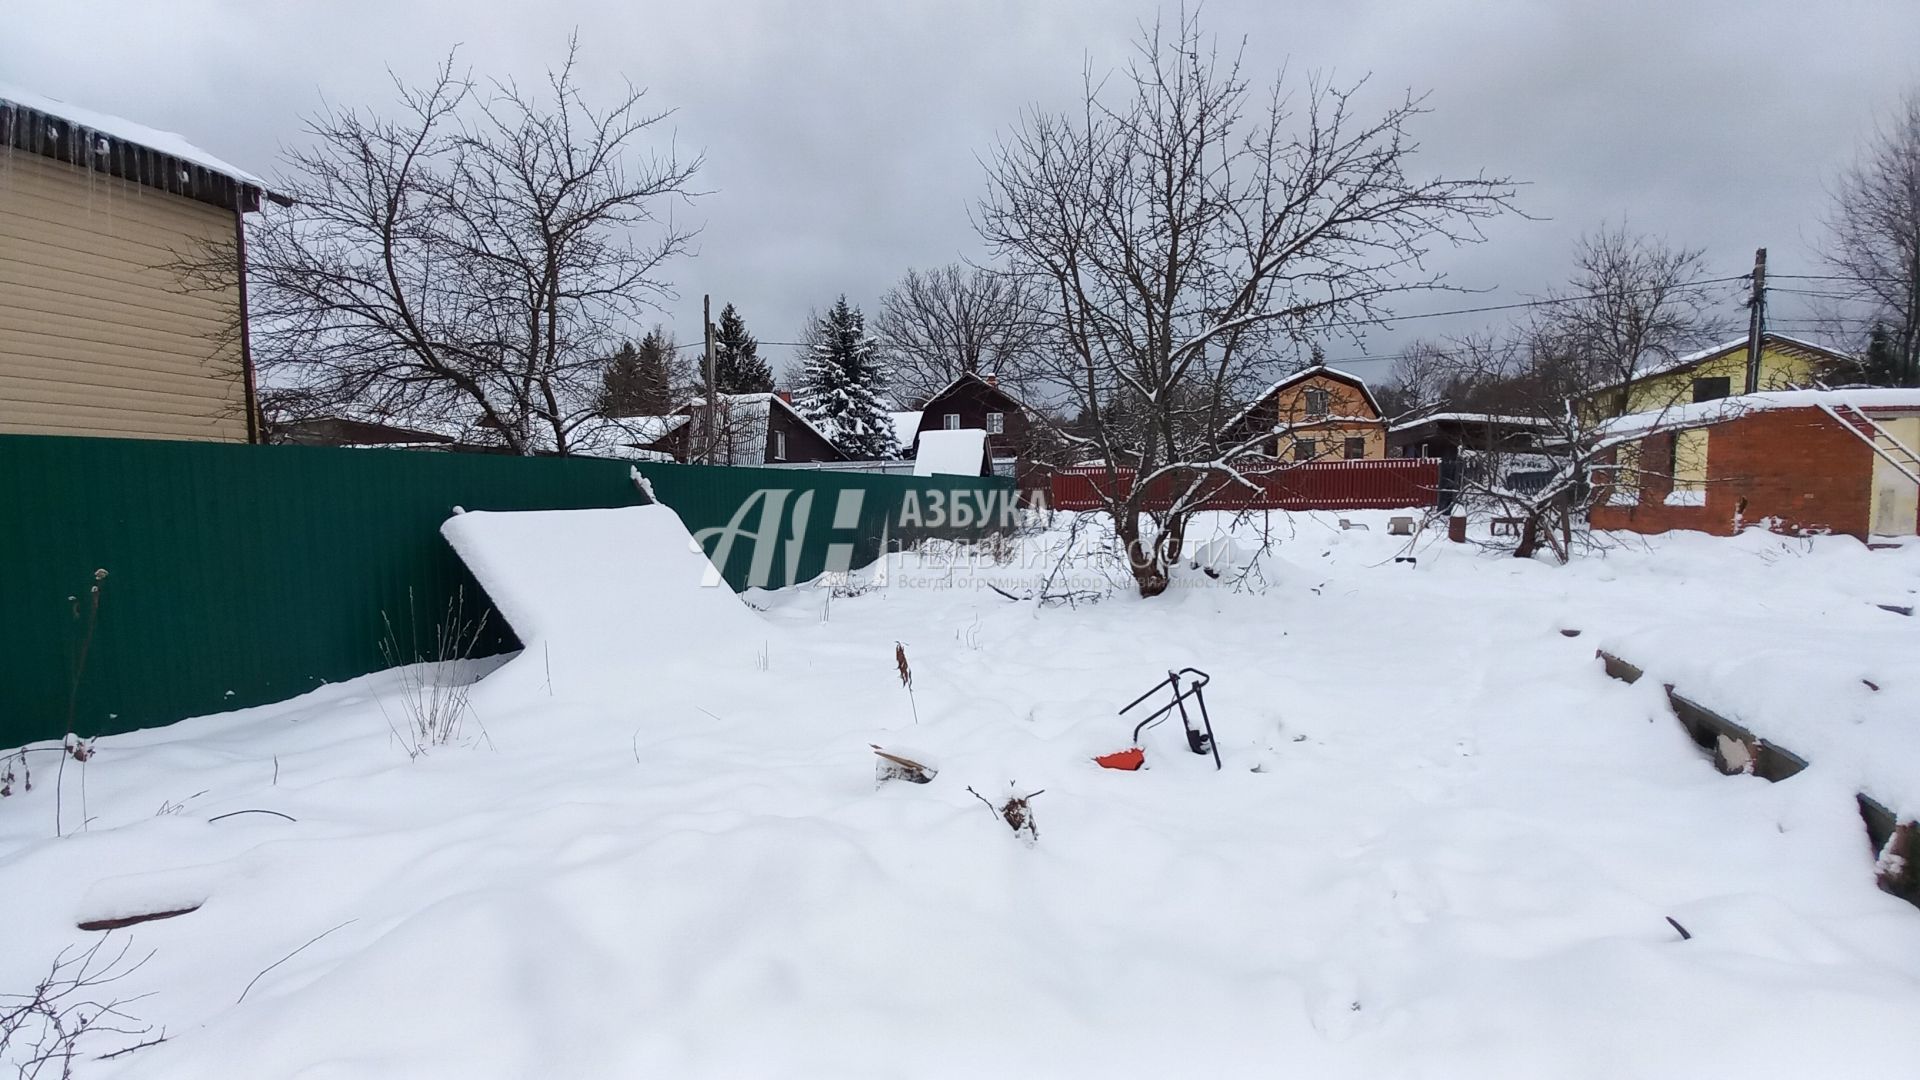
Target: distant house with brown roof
975,401
1316,414
97,335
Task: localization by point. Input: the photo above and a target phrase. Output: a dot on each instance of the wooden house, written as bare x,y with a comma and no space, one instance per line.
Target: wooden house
1316,414
98,333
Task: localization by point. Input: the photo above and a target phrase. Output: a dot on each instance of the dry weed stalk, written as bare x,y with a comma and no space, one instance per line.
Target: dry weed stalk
906,677
433,690
1016,812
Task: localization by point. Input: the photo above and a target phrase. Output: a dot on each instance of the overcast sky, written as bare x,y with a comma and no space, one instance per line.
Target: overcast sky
841,138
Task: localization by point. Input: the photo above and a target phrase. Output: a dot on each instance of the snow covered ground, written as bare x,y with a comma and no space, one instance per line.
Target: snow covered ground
1444,844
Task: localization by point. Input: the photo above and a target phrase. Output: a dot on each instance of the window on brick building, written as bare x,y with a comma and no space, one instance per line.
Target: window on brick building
1316,404
1356,448
1306,449
1624,486
1687,464
1712,389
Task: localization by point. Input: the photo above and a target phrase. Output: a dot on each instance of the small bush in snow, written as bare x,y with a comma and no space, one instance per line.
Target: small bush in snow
434,689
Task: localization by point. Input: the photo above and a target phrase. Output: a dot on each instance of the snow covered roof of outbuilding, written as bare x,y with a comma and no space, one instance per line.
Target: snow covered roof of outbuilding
951,452
906,425
1474,418
1702,413
162,142
619,434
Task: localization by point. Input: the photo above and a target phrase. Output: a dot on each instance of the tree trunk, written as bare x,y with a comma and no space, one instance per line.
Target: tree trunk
1150,561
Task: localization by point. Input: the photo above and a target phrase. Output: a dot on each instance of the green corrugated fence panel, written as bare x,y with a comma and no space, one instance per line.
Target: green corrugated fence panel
241,575
236,575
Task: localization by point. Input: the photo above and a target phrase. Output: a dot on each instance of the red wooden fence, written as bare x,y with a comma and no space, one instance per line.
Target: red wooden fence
1323,485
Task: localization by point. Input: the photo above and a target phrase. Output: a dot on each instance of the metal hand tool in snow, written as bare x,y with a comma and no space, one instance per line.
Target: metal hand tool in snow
1199,735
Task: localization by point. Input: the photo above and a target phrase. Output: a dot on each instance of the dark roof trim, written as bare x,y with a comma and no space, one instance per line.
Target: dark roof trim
25,128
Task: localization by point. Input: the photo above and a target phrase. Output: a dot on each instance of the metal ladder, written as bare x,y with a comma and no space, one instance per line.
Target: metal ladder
1867,430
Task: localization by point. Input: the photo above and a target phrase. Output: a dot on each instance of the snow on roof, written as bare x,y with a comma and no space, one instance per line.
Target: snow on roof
1680,363
165,142
951,452
620,434
906,425
1474,418
759,406
1702,413
1301,376
991,384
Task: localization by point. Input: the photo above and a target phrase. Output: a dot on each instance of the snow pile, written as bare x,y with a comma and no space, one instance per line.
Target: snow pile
1444,843
951,452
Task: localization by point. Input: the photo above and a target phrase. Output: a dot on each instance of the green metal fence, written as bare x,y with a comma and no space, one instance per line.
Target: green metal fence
241,575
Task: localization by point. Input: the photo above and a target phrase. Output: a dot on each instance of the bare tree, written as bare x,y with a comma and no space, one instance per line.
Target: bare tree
940,324
470,261
1633,305
1873,242
1183,234
1418,382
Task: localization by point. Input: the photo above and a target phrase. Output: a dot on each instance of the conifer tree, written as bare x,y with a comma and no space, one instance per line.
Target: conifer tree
737,367
638,381
843,382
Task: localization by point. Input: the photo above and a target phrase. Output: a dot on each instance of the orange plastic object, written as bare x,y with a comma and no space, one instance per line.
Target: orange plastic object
1127,760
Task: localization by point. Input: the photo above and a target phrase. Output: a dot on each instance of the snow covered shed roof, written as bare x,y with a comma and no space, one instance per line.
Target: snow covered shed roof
951,452
1703,413
1534,422
118,147
906,425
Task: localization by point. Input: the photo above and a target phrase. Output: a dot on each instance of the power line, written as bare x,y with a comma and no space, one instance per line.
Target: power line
1383,320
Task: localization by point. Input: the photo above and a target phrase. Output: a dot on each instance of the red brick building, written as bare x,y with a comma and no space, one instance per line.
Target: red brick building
1801,461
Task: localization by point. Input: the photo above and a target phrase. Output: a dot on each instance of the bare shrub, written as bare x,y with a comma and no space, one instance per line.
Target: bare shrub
70,1011
434,688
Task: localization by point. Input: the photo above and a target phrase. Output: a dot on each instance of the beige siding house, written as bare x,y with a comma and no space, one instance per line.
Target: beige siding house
98,336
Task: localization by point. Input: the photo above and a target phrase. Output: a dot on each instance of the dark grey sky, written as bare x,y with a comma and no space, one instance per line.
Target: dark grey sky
841,138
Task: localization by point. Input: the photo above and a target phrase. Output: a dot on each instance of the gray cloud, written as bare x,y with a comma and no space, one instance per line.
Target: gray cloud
842,139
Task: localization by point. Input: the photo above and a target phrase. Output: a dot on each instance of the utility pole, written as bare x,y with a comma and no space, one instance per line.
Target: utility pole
1756,319
706,320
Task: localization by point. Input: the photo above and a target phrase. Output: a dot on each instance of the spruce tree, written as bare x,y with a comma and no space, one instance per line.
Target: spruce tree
737,367
843,382
637,381
656,372
620,383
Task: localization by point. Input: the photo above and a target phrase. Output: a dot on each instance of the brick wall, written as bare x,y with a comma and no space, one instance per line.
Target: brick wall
1797,466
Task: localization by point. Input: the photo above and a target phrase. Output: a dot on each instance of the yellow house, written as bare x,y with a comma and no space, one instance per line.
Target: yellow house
1317,414
98,336
1786,363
